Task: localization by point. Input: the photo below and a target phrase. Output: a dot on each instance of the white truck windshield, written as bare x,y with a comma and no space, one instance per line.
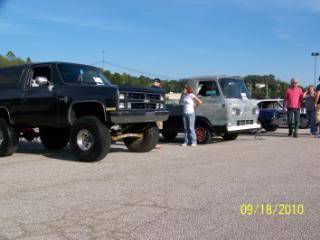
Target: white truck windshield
234,88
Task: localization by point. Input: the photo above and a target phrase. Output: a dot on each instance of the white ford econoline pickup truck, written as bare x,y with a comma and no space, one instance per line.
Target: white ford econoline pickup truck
227,109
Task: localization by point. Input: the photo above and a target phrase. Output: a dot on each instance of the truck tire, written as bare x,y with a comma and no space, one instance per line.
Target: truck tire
168,135
9,139
203,133
54,138
147,143
230,136
90,139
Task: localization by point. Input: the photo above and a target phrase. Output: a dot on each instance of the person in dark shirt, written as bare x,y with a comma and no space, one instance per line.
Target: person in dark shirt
318,86
310,105
156,83
318,106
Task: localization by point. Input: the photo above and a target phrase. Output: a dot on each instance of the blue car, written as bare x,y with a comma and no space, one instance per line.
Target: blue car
271,116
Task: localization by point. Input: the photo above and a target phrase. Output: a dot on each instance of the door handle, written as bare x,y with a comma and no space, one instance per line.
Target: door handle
63,99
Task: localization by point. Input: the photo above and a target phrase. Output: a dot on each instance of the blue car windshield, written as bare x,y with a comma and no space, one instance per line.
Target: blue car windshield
234,88
81,74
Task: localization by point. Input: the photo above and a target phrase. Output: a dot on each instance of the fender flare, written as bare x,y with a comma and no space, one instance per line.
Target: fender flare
203,120
9,117
86,101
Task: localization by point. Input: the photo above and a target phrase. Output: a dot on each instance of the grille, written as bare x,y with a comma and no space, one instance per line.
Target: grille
143,96
142,101
244,122
139,106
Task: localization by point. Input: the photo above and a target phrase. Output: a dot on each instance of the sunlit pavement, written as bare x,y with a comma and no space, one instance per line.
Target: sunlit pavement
169,193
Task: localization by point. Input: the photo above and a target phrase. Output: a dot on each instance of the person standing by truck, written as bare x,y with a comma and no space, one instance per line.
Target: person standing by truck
156,83
292,101
190,102
310,97
317,104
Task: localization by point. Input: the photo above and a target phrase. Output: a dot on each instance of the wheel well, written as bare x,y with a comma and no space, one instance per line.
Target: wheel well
4,114
201,120
82,109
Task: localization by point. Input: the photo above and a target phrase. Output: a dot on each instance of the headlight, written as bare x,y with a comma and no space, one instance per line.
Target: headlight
121,105
255,111
162,98
129,105
161,105
157,106
121,96
236,111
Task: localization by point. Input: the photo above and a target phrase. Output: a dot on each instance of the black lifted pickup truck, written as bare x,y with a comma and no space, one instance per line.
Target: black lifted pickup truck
76,104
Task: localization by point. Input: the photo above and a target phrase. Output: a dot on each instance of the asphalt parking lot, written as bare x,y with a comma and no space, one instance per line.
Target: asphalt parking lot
169,193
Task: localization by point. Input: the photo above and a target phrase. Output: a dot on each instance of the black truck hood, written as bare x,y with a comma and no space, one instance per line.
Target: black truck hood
141,89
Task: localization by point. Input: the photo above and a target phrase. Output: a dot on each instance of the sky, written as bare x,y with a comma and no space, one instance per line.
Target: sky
170,39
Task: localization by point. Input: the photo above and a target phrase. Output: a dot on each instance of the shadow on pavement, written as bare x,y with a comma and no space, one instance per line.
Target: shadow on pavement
180,140
36,148
283,134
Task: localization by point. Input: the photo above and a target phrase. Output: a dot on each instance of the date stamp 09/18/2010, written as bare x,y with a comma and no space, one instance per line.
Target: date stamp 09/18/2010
278,209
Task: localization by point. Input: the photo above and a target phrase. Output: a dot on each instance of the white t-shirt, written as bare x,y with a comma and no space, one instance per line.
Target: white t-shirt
188,102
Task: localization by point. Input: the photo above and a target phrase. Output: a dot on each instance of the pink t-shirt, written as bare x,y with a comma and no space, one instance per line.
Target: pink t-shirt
293,97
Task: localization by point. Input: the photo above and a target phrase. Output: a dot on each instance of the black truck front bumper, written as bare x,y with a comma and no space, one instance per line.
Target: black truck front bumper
123,117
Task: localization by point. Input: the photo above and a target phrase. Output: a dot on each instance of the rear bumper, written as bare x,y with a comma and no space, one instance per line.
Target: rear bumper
243,128
122,117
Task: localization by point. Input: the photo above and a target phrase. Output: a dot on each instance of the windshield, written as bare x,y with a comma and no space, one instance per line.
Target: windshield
234,88
72,73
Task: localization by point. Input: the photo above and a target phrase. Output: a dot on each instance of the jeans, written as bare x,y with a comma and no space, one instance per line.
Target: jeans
189,125
311,114
293,119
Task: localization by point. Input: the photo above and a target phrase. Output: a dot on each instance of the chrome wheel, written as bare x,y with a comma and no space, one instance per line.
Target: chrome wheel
85,140
1,138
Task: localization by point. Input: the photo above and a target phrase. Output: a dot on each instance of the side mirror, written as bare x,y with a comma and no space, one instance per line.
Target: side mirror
50,87
42,81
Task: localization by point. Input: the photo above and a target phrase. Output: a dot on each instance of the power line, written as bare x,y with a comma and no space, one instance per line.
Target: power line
145,73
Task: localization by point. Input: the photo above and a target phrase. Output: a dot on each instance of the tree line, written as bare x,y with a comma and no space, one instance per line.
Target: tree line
261,86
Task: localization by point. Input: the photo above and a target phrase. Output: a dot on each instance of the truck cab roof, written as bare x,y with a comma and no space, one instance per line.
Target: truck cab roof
208,78
26,65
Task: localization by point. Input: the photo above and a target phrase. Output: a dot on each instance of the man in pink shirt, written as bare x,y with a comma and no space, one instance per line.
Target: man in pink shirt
292,102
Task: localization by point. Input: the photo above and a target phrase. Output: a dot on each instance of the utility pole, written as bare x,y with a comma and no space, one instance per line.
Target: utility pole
315,55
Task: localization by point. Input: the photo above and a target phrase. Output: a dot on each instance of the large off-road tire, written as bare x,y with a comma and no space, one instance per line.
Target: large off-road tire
146,143
54,138
230,136
90,139
9,139
168,135
203,133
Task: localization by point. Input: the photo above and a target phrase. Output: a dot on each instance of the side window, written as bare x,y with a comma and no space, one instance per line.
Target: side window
277,105
41,77
208,89
264,105
10,77
270,105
